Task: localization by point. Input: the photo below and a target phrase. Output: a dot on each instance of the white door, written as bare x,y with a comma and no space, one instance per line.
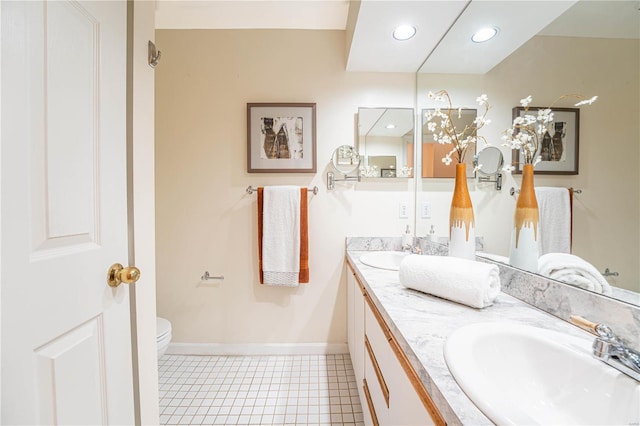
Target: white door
66,345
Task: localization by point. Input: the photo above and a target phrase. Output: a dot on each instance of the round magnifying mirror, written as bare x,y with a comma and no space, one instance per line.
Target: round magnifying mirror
490,160
345,159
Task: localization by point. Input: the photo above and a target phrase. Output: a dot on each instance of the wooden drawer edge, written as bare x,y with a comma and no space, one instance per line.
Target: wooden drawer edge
411,373
367,396
376,367
376,313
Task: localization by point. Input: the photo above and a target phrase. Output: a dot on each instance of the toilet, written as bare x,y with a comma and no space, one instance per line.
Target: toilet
163,337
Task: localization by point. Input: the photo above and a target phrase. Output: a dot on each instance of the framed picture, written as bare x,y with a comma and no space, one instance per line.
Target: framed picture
558,147
281,138
388,173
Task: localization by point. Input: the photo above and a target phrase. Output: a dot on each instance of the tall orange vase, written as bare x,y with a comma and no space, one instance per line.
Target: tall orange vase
524,250
462,237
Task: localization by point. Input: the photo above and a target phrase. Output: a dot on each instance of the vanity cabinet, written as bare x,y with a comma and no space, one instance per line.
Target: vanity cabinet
391,392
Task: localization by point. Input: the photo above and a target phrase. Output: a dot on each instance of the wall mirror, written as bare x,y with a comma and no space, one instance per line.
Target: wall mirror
606,230
345,159
385,139
433,152
488,164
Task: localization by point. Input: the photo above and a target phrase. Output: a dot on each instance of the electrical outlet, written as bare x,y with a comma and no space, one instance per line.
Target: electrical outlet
426,210
403,212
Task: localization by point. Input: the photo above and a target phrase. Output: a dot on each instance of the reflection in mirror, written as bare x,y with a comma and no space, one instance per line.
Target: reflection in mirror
433,152
488,164
606,230
385,138
345,159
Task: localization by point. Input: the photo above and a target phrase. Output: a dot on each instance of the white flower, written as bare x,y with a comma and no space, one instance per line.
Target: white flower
481,121
587,101
537,160
518,121
526,101
508,168
444,130
476,168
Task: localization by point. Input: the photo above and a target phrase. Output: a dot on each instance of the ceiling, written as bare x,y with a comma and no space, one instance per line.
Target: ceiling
444,27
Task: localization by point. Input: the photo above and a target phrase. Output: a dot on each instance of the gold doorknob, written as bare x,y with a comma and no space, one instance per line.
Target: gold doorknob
118,274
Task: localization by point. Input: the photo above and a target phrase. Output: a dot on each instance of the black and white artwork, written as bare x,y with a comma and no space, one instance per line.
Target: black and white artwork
282,137
558,148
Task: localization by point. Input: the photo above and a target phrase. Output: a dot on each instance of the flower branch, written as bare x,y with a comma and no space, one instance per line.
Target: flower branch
528,130
445,132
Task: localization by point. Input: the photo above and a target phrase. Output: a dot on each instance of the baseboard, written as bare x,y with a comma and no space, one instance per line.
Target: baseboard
257,349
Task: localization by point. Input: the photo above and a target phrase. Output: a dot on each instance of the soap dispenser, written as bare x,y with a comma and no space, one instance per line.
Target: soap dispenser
432,235
407,239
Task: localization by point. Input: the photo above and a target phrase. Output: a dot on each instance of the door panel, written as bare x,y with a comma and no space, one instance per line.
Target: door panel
66,338
75,357
64,161
72,51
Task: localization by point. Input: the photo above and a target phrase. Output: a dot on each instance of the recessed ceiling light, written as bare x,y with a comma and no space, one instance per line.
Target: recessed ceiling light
390,126
484,34
404,32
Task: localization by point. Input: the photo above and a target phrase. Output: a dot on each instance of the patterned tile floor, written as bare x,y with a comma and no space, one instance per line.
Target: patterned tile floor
258,390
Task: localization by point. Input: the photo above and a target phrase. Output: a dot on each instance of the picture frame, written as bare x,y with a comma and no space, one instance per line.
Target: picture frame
560,150
388,173
281,137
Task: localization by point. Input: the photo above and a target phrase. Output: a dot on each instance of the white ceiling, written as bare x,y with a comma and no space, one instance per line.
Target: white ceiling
517,22
247,14
443,26
373,47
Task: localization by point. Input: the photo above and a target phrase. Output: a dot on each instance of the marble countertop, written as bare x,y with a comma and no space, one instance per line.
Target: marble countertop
421,323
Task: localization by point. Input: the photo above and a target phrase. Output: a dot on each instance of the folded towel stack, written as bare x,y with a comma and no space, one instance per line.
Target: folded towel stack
464,281
573,270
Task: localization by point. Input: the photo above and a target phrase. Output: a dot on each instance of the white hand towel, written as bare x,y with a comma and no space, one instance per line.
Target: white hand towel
573,270
464,281
281,235
555,220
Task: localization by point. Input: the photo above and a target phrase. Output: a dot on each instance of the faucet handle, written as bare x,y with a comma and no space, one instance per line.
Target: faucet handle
600,330
584,324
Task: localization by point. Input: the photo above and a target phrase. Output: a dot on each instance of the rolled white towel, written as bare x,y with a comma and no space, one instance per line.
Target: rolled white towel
573,270
464,281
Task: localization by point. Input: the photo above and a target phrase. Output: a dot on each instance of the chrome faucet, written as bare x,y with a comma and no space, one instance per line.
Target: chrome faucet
610,349
413,247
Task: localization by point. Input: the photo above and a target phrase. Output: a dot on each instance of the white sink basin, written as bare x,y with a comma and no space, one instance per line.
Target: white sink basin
384,259
516,374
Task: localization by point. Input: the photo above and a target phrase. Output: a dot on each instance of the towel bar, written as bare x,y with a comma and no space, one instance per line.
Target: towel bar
251,190
514,191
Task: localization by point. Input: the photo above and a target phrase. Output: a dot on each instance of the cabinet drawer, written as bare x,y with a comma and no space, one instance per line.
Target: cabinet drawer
377,353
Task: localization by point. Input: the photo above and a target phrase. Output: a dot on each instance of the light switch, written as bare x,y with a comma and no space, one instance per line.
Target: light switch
403,211
425,212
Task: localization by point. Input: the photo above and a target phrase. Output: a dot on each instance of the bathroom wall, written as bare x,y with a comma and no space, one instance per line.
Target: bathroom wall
204,218
606,230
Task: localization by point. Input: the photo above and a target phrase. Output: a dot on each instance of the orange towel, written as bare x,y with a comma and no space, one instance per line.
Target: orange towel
304,235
